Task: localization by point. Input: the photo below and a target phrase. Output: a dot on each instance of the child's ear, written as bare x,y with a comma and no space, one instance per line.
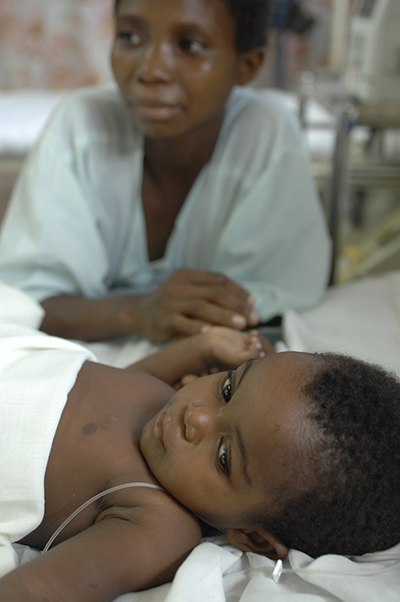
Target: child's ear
258,541
249,63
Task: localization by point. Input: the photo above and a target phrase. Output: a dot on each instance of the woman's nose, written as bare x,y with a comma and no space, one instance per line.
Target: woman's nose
198,421
155,65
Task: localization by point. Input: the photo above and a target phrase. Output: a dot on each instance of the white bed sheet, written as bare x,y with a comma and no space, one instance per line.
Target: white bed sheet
217,572
362,318
23,114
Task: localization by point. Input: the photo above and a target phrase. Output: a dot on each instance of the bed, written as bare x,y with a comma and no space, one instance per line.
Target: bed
361,318
23,114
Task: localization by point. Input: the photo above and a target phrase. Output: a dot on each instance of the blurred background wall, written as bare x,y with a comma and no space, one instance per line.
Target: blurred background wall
54,44
62,44
48,47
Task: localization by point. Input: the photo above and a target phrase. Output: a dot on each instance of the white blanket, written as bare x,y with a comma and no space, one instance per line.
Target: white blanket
362,319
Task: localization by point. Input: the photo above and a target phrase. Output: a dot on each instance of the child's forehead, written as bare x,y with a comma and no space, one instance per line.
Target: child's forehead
271,390
273,422
289,366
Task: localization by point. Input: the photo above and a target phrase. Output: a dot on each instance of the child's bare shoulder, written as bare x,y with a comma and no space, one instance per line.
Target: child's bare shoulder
147,529
146,504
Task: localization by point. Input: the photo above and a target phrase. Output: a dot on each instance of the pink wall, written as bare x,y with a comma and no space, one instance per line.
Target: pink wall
58,44
54,43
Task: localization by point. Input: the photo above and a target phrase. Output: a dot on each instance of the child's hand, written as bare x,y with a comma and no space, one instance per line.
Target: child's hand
230,348
215,349
188,378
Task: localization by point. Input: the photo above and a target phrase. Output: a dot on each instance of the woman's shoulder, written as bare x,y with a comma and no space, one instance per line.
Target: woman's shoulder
92,113
264,110
262,99
257,125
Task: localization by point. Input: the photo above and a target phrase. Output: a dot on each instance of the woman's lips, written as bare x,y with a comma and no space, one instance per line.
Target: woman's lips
156,111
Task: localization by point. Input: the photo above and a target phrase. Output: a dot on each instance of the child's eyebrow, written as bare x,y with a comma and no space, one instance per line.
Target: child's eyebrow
243,454
243,457
245,370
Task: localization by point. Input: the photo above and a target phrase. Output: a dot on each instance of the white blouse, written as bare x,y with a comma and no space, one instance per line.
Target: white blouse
75,224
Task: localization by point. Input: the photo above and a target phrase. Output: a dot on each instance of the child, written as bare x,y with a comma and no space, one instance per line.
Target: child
288,450
156,190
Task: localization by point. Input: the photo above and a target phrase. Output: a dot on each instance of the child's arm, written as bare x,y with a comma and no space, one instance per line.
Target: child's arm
129,548
217,347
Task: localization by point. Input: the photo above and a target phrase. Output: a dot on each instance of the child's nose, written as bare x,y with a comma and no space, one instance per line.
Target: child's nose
155,64
198,421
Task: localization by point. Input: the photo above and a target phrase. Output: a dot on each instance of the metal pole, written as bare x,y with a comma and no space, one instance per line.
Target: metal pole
338,188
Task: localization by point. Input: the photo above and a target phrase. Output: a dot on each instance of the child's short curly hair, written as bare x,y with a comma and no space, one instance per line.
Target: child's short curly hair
348,494
251,18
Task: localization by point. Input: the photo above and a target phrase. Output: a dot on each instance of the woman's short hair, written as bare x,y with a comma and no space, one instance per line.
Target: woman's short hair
251,18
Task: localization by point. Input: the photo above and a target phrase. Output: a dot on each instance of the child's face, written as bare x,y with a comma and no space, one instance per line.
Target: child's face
223,454
175,63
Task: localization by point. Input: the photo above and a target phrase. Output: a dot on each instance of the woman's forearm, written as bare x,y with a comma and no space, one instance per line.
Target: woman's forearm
75,317
185,303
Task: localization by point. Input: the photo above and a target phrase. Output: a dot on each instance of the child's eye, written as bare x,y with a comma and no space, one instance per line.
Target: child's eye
130,38
191,46
227,387
223,457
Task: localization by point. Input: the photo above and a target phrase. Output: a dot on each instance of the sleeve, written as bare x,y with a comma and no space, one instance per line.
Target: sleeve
50,243
275,240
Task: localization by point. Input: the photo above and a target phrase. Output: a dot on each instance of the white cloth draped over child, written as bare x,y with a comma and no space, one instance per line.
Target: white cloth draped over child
33,391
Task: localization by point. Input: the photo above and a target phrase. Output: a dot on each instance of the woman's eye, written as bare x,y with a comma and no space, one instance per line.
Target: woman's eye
191,46
227,387
223,457
130,38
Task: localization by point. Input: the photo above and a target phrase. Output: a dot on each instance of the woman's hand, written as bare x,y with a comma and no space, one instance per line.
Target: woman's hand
190,300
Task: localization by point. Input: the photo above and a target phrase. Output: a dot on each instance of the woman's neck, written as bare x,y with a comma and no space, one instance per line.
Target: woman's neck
185,154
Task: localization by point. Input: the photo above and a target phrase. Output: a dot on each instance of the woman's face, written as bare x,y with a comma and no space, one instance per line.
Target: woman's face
225,444
175,63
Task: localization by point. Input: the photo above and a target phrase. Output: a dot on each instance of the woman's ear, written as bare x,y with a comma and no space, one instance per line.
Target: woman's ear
258,541
249,63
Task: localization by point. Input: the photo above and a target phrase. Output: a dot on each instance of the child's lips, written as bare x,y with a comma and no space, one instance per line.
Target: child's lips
159,429
169,429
